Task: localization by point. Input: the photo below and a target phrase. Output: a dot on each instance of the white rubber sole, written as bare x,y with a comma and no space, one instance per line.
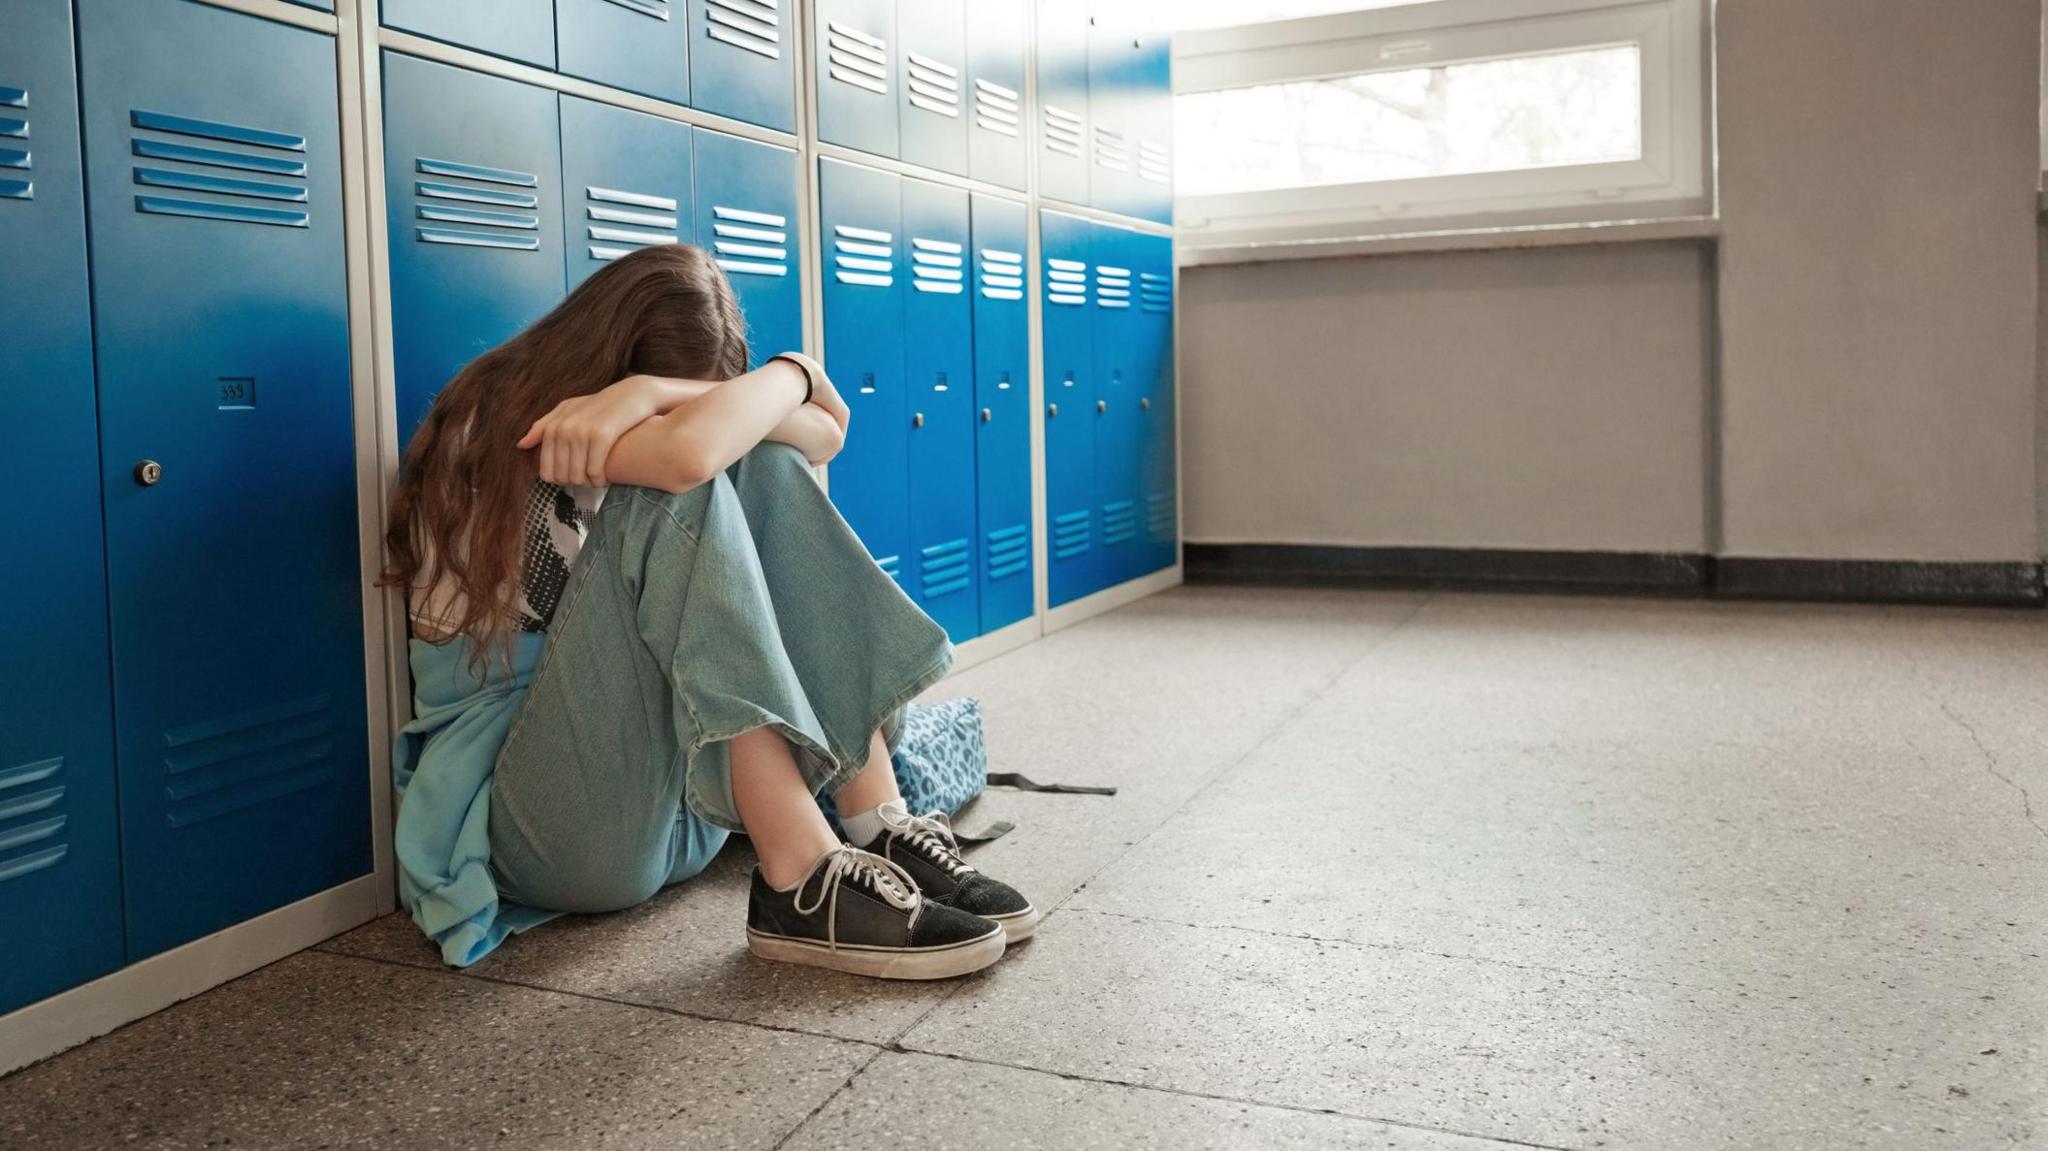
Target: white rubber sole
882,962
1017,927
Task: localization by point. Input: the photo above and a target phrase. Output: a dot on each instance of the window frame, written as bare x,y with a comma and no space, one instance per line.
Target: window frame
1670,180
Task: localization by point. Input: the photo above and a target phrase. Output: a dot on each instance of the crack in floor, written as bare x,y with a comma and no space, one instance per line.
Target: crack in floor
1991,767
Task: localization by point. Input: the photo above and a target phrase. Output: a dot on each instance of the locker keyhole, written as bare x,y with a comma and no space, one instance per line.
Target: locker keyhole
939,382
867,383
1068,382
1003,384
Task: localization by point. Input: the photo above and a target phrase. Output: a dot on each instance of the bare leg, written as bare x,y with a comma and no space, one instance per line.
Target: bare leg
789,832
873,787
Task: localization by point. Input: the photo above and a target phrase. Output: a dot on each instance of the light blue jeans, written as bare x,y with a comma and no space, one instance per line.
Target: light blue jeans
690,619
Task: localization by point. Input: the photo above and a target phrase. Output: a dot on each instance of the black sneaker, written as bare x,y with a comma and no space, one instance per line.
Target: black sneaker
923,845
859,913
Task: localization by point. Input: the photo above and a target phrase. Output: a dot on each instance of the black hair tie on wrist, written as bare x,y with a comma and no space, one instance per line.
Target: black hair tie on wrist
810,384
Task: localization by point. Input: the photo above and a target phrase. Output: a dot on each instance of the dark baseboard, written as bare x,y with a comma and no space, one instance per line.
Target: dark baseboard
1629,573
1632,572
1880,581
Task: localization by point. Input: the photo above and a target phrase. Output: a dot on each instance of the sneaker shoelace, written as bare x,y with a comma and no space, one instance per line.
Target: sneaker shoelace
884,878
931,834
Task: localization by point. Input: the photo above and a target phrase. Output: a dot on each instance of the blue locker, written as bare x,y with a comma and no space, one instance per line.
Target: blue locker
746,213
1002,388
1151,124
938,376
860,220
1112,253
1063,100
1068,345
932,38
997,31
625,184
1154,340
517,29
639,45
855,74
472,165
220,302
1115,41
741,61
60,880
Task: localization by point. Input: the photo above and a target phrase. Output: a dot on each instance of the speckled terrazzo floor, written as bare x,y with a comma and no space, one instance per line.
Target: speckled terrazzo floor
1387,870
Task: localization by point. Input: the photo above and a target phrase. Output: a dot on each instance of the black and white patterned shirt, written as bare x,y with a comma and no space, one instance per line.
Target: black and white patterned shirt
556,522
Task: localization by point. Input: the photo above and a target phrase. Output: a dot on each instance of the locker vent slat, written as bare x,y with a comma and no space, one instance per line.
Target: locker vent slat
857,58
1073,534
891,566
1119,521
864,257
18,159
935,266
1062,130
1066,282
750,25
750,243
236,199
1112,287
615,231
945,568
1002,274
933,85
436,202
658,9
1159,515
1112,151
1155,292
235,762
996,108
1154,162
32,815
1009,551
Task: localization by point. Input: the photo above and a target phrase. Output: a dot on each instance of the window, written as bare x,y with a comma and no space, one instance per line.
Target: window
1439,114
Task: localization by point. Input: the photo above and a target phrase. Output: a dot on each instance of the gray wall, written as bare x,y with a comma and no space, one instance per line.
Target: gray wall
1871,304
1536,399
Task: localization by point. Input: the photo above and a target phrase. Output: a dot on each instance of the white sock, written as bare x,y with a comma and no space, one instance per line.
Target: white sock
863,828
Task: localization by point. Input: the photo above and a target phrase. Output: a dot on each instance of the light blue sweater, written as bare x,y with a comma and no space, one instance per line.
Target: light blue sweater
442,768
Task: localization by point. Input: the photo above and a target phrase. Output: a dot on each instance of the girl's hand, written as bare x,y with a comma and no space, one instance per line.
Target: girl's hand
576,438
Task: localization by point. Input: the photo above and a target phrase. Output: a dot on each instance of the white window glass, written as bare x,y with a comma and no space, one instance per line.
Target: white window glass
1581,107
1222,13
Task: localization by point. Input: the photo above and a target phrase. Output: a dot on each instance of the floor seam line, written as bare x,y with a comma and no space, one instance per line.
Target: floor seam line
591,997
1396,947
1265,734
827,1100
1299,1108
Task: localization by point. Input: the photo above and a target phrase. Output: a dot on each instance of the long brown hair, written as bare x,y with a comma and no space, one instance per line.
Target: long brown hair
457,514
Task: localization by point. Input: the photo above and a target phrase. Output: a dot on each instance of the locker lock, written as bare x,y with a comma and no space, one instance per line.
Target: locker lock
148,472
987,415
917,419
1052,410
1145,402
1101,406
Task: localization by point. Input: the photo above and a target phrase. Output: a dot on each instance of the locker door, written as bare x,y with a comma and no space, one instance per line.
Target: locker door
220,295
1065,332
1002,388
855,74
996,33
625,184
639,45
741,61
746,202
860,218
1063,100
1114,42
1116,409
1154,340
60,880
519,29
472,164
933,43
1152,123
938,376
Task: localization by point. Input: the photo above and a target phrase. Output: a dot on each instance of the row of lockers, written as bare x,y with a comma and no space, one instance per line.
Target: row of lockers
937,83
181,656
